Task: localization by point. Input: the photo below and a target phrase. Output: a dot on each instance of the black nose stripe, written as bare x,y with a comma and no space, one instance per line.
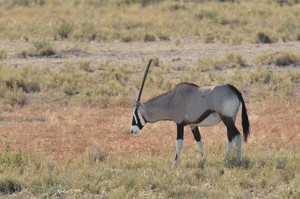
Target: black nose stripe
133,121
139,124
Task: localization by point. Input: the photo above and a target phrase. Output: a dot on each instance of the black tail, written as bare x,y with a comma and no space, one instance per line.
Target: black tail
245,120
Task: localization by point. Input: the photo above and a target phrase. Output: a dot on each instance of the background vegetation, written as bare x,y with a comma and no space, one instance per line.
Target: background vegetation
232,21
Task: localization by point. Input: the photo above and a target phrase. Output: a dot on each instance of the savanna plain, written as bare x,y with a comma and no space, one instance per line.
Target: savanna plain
69,75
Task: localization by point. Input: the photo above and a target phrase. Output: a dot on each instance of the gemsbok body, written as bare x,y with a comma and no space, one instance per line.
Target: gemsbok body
189,104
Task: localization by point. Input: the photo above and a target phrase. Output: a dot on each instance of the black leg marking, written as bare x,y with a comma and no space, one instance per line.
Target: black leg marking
232,131
180,128
196,133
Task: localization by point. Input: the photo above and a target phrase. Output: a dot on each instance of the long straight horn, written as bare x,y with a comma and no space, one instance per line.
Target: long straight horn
143,82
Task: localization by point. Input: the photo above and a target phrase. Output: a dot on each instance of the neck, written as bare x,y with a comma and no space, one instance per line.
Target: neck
157,109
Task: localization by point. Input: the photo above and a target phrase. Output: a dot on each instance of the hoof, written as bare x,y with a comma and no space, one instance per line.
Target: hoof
175,164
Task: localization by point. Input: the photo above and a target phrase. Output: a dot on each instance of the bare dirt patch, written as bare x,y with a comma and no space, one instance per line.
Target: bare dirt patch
67,132
179,53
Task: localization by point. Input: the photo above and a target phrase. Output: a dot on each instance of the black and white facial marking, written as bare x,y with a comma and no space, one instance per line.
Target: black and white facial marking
138,122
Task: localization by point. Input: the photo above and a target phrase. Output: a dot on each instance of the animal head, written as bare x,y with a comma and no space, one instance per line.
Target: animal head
138,121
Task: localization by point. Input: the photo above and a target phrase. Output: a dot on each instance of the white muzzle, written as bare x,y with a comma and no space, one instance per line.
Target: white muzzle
134,129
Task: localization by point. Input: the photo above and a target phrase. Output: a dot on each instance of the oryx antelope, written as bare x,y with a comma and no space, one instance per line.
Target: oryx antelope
189,104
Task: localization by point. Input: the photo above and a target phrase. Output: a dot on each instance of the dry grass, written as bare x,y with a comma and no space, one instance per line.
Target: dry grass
64,148
65,127
282,58
89,152
242,21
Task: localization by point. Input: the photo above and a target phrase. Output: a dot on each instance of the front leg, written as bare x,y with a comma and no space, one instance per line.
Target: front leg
180,128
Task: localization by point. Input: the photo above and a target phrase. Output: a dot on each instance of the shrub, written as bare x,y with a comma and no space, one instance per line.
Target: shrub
156,61
286,59
126,37
70,89
235,59
149,37
282,58
15,97
208,14
9,186
96,154
85,65
24,53
165,37
261,75
263,37
209,38
44,48
64,29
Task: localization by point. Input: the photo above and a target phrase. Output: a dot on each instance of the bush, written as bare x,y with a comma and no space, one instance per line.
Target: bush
149,37
70,89
64,29
279,59
96,154
263,37
235,59
9,186
286,59
85,65
44,48
126,37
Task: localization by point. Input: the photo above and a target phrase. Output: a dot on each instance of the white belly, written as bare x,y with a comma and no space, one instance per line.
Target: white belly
211,120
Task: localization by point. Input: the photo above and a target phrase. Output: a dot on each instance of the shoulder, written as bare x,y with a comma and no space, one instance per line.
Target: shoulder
186,84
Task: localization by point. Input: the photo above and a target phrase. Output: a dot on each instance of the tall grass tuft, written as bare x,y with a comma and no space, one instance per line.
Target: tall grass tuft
263,37
283,58
9,186
3,54
230,60
64,29
44,48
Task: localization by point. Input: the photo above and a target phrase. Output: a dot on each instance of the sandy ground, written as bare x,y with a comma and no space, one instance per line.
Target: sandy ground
179,53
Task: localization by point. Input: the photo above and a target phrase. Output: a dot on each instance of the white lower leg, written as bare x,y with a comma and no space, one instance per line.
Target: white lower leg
229,147
200,147
238,143
178,150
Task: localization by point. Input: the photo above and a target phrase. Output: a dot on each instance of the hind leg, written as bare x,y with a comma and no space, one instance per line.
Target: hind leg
197,137
232,133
